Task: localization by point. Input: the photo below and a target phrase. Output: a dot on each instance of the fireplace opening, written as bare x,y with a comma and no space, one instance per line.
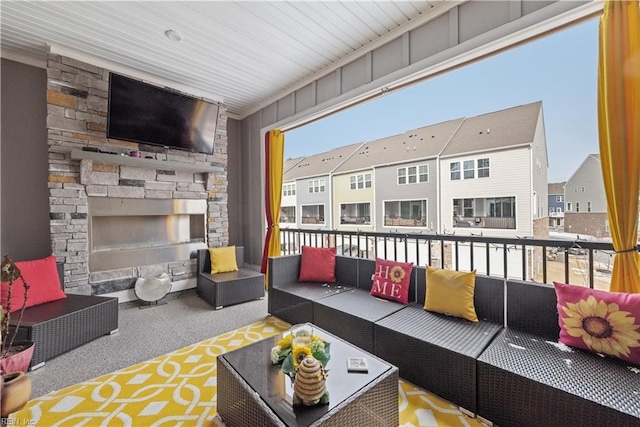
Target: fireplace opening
134,232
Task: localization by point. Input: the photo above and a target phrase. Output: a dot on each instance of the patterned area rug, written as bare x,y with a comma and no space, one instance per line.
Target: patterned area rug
179,389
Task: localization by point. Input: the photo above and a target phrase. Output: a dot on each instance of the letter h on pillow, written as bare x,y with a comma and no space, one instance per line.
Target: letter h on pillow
391,280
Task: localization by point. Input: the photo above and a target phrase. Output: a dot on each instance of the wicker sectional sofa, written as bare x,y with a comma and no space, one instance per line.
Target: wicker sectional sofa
513,375
59,326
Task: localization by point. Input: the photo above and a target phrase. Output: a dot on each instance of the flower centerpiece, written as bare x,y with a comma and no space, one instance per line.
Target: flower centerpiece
298,343
304,356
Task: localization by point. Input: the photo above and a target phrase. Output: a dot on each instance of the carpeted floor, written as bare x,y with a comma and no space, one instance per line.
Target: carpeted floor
180,389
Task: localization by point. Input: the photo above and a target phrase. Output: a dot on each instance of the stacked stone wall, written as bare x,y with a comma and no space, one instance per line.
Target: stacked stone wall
77,102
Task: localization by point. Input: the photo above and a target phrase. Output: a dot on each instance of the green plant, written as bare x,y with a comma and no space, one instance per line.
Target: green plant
9,272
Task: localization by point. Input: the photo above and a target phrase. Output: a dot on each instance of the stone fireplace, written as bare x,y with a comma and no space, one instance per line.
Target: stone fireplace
114,217
131,232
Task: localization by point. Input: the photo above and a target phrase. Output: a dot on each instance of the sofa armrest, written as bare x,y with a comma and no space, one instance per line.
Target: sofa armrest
285,269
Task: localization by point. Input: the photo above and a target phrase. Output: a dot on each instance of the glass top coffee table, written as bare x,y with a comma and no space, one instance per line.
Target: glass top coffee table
252,391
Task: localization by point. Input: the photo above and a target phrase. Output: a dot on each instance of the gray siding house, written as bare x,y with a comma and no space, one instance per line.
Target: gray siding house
585,200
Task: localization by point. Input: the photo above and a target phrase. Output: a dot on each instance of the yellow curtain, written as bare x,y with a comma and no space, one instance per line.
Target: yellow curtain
619,130
274,164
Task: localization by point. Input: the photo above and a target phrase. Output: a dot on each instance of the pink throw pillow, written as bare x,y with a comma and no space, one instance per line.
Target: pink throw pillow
44,284
599,321
318,265
391,280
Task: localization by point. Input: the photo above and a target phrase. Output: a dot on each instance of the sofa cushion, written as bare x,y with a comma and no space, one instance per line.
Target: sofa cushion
42,278
600,321
391,280
318,265
451,292
223,259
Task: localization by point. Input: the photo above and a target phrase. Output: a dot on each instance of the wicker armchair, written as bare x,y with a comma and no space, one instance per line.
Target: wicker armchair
222,289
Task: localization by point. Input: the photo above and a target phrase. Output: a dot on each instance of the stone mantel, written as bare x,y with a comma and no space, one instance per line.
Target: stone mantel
143,163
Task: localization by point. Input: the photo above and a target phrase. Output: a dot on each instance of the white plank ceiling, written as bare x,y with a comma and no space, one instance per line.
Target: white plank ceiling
240,52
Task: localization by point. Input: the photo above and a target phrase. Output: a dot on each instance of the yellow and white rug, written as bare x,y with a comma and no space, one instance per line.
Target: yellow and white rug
179,389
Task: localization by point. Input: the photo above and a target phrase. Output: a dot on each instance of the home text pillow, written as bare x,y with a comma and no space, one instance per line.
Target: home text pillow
223,259
451,292
42,278
391,280
599,321
318,265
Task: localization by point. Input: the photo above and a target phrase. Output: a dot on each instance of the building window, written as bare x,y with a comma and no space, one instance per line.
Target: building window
402,176
582,188
313,214
288,214
423,173
405,213
413,174
569,207
483,168
289,189
469,169
455,170
577,206
575,189
316,186
588,206
559,198
360,181
355,213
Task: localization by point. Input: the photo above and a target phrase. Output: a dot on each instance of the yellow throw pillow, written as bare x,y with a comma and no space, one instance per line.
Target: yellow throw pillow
451,292
223,259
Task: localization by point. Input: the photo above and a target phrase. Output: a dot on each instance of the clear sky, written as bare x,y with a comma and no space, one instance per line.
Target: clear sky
560,70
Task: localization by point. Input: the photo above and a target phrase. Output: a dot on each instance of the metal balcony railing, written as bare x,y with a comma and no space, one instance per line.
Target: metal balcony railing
580,262
486,222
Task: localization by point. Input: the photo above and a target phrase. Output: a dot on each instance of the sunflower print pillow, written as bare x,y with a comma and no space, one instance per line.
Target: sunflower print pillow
599,321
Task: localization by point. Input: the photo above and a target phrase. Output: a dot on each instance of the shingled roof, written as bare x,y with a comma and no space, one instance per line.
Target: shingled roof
422,143
321,164
555,188
499,129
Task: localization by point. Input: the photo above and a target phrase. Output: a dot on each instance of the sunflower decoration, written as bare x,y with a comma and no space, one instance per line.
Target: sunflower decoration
603,327
300,352
397,274
296,345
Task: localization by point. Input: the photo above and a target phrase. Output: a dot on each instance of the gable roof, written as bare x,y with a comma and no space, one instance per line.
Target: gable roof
499,129
595,156
322,163
290,163
416,144
555,188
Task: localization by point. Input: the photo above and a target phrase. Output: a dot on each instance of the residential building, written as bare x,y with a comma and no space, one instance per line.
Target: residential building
288,202
555,194
493,175
479,175
586,201
403,196
313,191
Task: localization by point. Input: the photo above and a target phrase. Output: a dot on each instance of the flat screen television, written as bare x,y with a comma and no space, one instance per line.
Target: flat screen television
147,114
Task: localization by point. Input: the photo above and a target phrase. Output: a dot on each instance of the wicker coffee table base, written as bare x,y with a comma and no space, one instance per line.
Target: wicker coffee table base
374,405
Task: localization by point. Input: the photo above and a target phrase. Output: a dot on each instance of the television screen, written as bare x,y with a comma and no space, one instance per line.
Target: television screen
147,114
